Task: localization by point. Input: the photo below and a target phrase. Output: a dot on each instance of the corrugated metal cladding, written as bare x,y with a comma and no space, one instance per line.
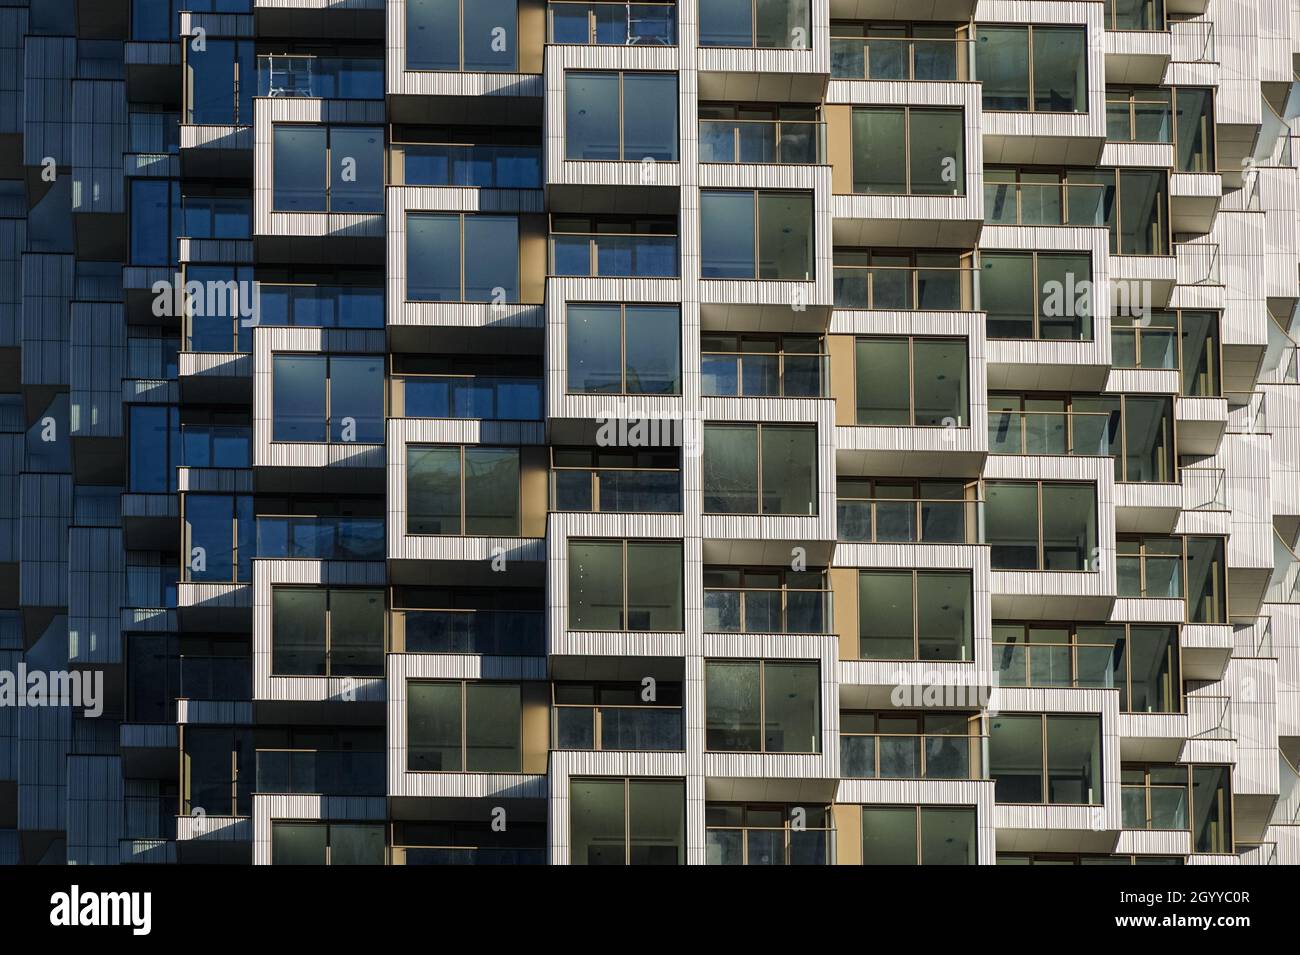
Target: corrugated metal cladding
332,385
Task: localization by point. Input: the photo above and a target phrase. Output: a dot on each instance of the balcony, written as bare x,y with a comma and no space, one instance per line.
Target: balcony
515,633
324,772
763,141
915,59
888,756
320,77
905,288
760,610
320,306
612,255
781,374
1050,204
920,521
320,538
215,678
627,728
604,490
588,23
468,396
478,165
1051,432
473,855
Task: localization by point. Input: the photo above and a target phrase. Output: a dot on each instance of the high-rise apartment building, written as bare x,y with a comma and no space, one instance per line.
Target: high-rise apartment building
723,431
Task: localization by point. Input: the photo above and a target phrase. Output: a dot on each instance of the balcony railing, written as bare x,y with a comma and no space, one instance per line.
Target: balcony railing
324,771
320,306
1051,432
905,288
324,77
901,58
473,855
1167,808
1252,636
919,521
793,142
485,165
584,22
887,756
630,491
755,610
320,538
515,633
764,374
617,255
215,678
1088,665
1044,203
618,727
471,396
213,446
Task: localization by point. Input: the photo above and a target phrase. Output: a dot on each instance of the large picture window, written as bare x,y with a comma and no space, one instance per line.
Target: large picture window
328,169
760,469
620,116
478,36
762,706
472,491
1046,758
625,585
918,835
1042,69
627,821
915,615
462,258
624,349
909,150
913,382
1041,525
756,235
327,632
455,727
335,398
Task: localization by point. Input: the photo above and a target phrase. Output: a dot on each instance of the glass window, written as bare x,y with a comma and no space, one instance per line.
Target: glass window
770,24
464,727
627,821
300,174
327,632
624,349
1038,68
462,258
763,235
1194,130
752,469
219,82
620,116
471,35
1041,526
1037,295
320,168
912,382
220,537
1046,759
462,491
767,834
915,615
905,150
625,585
155,446
918,835
1212,809
155,217
335,398
762,706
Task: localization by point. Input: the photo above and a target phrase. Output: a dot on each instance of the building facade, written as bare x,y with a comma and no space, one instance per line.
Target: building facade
713,432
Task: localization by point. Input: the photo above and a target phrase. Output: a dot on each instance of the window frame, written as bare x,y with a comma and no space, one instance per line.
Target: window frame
1037,293
1044,779
787,828
460,43
622,346
915,573
464,483
327,633
761,694
329,393
625,609
1092,564
758,427
1031,89
963,424
330,172
622,114
918,832
757,234
461,216
1143,540
463,689
959,184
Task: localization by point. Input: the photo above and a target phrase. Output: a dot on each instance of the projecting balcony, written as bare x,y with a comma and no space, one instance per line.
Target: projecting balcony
621,728
768,51
320,772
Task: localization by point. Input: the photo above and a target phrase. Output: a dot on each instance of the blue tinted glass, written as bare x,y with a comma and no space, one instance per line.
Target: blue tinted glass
433,258
357,399
298,398
299,173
